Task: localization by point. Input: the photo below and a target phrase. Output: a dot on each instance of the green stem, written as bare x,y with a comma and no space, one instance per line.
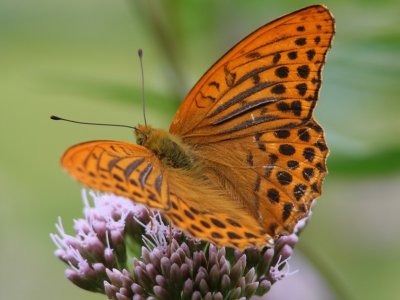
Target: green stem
159,20
330,275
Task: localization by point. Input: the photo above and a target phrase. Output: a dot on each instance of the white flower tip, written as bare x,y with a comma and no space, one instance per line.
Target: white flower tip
277,273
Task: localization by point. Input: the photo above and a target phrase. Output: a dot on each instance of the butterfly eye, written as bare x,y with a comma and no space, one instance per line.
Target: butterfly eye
141,139
141,136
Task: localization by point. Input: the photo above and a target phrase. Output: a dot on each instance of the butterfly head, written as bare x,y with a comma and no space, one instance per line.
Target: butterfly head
150,138
142,133
167,147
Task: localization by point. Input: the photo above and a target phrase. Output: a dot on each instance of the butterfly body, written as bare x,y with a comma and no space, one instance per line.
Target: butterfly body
243,159
192,174
167,147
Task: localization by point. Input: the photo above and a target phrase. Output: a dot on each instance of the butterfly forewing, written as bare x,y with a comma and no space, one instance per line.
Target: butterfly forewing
269,80
250,118
124,169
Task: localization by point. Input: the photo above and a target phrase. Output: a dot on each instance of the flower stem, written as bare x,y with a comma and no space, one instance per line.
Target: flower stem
160,19
331,276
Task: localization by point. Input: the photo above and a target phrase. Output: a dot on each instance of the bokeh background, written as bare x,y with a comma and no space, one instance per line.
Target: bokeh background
77,58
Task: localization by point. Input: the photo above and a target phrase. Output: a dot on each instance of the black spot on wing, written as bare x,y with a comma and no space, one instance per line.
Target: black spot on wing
214,83
252,55
296,108
233,235
273,195
278,89
284,178
292,164
303,135
250,235
308,173
300,28
310,54
218,223
287,149
276,58
303,71
230,77
299,191
300,41
233,223
216,235
121,188
302,89
282,72
117,178
282,134
287,210
189,214
205,224
309,154
273,159
292,55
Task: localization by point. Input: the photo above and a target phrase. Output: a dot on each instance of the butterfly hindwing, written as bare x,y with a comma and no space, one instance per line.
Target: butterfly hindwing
121,168
288,168
269,80
219,227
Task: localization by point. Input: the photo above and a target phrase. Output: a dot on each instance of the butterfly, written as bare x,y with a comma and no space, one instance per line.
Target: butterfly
243,159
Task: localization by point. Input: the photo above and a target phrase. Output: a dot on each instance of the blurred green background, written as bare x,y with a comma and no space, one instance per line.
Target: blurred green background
78,59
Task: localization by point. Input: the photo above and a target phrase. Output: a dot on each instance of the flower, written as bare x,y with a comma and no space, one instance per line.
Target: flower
125,251
100,240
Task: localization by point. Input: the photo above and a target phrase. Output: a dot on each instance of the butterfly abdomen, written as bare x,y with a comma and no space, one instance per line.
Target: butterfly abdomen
168,148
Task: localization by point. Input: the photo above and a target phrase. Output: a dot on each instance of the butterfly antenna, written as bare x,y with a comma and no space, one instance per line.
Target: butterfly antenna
57,118
140,53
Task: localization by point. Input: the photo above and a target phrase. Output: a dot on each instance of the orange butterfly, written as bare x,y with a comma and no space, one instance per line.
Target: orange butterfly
243,159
